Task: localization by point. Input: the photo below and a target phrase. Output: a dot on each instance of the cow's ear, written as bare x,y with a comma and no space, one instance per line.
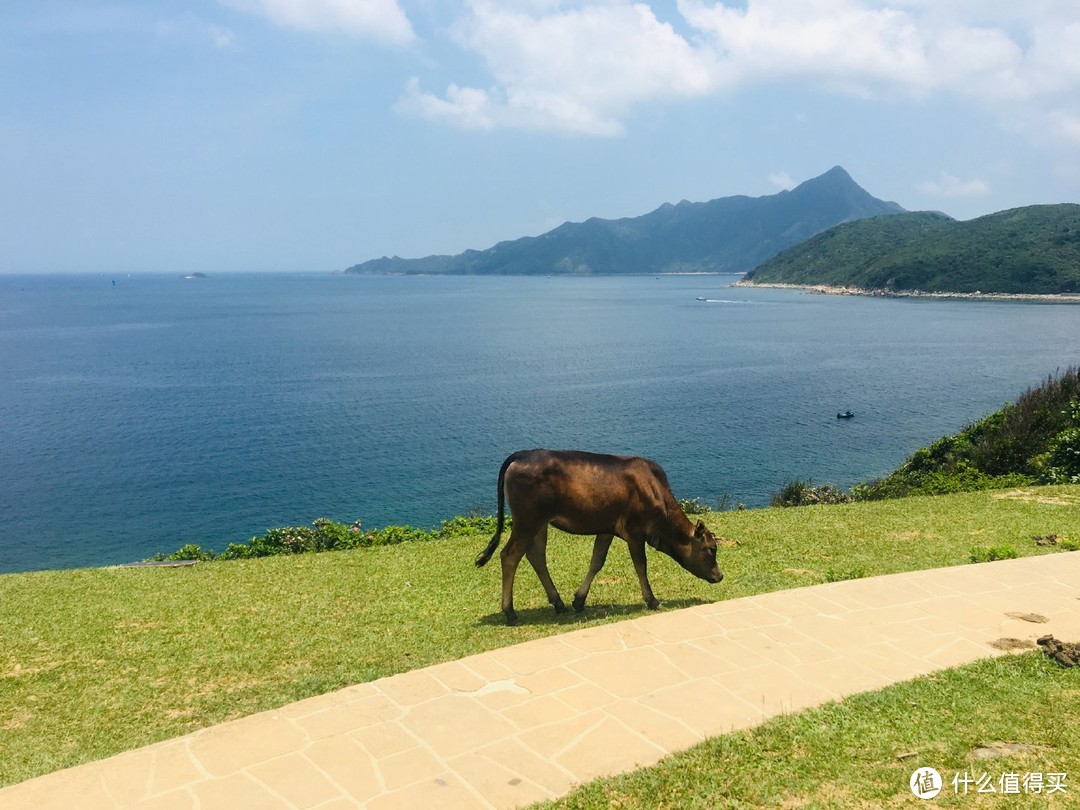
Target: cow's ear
699,532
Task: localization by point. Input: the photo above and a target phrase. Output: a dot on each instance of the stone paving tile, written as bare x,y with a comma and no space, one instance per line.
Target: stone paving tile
445,792
693,661
894,663
633,634
658,728
629,673
384,739
590,641
456,677
173,768
679,625
607,748
586,696
525,659
400,770
453,724
296,779
336,804
499,785
552,739
539,710
737,614
707,710
126,778
411,688
348,765
225,749
548,681
236,790
526,722
175,800
527,764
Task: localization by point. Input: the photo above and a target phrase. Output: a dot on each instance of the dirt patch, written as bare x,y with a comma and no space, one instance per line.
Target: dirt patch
1065,653
1034,618
1003,749
1045,539
1034,496
1012,644
804,571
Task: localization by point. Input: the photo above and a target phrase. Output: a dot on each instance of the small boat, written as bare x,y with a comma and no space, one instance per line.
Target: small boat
702,298
845,415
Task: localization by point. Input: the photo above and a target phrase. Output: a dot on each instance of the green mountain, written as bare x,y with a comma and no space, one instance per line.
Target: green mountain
730,234
1023,250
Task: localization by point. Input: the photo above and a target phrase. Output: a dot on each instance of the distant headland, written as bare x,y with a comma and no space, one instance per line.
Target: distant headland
1030,253
725,235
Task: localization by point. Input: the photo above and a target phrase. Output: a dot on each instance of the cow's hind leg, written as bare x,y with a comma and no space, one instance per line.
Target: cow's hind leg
637,554
599,555
511,555
537,554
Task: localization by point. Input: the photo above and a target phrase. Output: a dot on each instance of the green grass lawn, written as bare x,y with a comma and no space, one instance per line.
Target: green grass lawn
98,661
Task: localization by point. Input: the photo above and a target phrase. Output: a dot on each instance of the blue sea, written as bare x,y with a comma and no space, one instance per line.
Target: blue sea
143,412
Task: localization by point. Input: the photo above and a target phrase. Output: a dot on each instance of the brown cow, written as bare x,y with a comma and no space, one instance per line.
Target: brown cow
587,493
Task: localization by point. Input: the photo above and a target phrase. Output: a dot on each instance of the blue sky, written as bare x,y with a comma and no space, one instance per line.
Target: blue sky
308,135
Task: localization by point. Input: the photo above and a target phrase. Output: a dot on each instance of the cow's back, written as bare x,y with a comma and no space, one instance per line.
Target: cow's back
586,493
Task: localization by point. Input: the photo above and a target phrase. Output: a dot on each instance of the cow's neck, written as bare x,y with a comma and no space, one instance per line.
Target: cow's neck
667,531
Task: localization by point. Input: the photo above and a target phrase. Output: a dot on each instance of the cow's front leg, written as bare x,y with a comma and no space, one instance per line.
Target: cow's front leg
599,555
637,554
511,555
537,554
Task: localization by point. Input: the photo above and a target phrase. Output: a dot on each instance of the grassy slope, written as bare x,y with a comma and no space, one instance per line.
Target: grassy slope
1023,250
97,661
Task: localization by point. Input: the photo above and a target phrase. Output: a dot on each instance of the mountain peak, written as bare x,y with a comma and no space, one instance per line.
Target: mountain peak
836,177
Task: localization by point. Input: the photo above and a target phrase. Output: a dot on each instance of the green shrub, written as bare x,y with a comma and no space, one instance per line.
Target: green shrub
693,506
834,575
798,493
328,535
1063,459
1034,440
190,551
467,525
1004,552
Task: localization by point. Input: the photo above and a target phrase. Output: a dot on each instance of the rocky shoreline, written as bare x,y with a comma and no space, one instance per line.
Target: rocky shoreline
828,289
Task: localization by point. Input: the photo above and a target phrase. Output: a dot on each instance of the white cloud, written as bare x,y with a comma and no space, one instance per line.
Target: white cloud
781,180
585,66
465,107
577,70
221,36
949,185
377,19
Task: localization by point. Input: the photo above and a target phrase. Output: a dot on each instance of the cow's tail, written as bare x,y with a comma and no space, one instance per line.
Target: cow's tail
485,555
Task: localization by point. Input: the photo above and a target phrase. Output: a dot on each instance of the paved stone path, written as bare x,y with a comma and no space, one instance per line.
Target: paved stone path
529,722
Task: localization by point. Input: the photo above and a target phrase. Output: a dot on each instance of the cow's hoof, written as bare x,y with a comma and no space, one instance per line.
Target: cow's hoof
511,619
579,604
560,606
653,604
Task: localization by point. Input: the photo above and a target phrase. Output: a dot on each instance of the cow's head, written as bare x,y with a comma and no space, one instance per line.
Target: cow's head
698,554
